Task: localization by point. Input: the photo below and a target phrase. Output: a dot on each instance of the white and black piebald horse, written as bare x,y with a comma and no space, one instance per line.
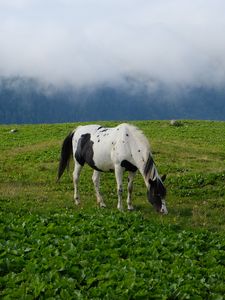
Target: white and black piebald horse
118,149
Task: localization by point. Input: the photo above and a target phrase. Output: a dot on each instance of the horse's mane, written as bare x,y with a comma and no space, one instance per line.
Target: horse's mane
149,169
139,135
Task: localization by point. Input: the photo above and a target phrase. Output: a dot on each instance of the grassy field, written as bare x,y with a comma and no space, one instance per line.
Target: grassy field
51,249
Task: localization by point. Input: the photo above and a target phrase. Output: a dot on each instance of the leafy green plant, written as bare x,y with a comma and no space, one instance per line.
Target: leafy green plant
50,249
102,254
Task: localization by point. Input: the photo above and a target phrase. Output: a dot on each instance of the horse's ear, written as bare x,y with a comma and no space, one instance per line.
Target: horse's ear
163,177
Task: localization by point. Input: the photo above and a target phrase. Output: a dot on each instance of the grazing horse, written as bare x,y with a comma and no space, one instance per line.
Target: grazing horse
118,149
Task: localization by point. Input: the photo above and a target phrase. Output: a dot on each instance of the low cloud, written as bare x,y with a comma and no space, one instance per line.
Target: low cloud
84,43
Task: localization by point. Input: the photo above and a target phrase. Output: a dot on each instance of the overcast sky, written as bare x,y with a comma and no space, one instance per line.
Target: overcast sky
84,42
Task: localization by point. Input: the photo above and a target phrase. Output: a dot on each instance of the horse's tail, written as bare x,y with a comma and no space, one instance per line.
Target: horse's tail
66,152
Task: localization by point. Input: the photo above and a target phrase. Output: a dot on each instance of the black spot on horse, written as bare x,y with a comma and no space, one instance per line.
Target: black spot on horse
128,166
149,165
99,128
104,130
84,153
127,134
80,146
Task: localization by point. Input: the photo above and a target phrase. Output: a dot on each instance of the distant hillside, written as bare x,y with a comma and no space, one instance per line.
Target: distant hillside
24,100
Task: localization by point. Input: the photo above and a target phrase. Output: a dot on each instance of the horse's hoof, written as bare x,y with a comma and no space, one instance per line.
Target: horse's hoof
102,205
131,208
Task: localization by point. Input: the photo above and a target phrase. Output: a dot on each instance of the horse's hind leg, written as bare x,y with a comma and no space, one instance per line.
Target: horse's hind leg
76,175
130,189
96,181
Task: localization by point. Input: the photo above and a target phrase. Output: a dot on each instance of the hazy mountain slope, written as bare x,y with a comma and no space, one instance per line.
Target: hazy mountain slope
25,100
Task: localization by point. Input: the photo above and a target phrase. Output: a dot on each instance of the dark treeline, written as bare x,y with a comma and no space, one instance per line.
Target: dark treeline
28,101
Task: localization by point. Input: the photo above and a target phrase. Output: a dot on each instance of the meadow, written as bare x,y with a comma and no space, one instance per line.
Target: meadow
50,249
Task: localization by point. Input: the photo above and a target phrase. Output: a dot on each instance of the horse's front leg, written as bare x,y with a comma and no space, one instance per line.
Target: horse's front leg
96,182
76,175
119,181
130,189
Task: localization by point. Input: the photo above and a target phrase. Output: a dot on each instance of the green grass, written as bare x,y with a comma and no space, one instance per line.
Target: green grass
52,249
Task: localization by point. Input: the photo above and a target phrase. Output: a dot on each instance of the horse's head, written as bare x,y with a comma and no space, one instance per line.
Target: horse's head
156,194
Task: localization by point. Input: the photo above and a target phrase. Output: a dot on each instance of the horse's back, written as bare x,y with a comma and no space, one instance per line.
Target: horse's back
84,129
95,130
105,147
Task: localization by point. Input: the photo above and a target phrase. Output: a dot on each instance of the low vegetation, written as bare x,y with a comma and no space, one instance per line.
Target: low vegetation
50,249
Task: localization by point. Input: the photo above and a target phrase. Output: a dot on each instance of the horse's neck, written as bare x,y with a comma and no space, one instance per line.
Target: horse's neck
140,151
148,169
140,154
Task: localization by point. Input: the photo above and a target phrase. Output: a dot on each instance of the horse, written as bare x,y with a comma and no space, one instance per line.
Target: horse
118,149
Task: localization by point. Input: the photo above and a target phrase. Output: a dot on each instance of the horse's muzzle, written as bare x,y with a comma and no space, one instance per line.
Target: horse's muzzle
163,209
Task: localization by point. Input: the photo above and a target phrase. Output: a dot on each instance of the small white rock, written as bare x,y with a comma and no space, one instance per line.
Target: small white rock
13,130
175,123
